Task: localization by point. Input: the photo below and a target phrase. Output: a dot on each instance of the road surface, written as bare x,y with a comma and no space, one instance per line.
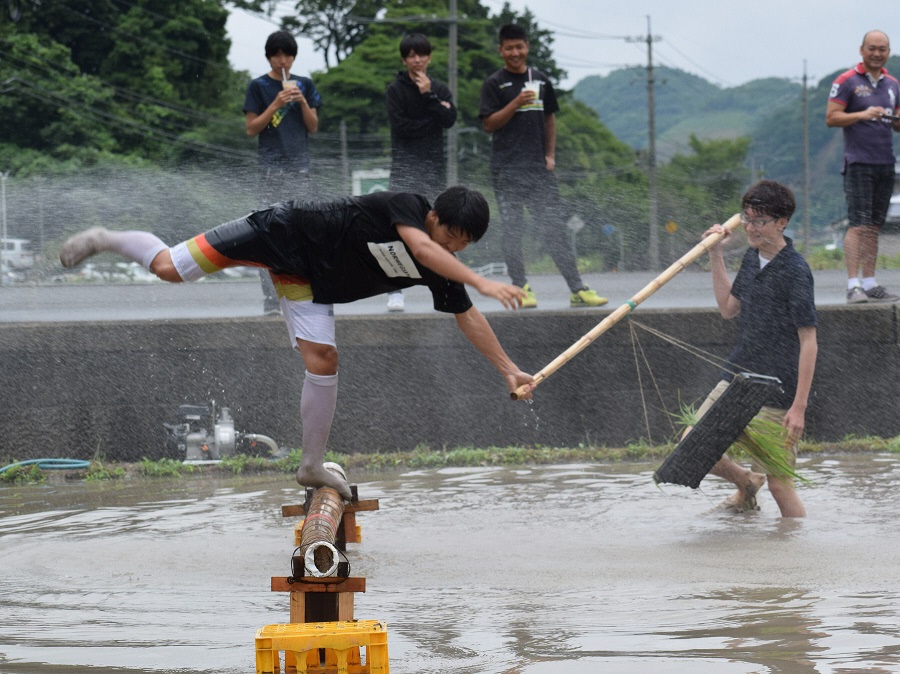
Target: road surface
235,299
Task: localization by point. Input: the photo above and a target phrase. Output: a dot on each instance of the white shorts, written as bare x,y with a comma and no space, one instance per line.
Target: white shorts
308,321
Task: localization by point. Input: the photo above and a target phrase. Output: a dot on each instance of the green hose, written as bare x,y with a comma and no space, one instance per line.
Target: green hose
51,464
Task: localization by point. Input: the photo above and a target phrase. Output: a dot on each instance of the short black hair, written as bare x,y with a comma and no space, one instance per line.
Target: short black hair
281,41
463,210
768,197
415,42
512,31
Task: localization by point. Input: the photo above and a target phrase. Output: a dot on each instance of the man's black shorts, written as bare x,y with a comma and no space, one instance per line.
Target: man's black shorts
868,188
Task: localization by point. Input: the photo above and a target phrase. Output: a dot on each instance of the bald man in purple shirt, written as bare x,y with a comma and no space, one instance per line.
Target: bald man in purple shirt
864,102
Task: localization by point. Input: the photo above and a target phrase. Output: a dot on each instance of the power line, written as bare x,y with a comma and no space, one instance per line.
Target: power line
219,150
49,69
164,17
713,77
139,38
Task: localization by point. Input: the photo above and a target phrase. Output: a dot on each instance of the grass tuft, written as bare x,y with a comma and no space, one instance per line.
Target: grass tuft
761,441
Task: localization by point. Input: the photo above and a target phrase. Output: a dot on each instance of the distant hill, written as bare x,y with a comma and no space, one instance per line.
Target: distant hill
684,104
768,111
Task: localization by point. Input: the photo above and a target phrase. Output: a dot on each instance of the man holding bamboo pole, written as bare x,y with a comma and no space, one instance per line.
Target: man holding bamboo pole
326,253
772,297
518,108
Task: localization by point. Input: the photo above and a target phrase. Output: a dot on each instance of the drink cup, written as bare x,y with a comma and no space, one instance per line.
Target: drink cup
533,85
291,86
285,82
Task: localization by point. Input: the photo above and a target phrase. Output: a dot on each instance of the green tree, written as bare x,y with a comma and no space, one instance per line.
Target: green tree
602,184
334,26
540,41
55,111
355,87
702,188
147,79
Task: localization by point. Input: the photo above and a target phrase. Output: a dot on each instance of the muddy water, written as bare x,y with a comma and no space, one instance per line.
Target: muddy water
575,569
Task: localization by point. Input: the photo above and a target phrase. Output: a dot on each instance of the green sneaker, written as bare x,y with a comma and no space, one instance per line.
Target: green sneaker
529,301
587,298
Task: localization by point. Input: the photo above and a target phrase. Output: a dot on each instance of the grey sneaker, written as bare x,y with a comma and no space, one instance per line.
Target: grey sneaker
880,294
856,295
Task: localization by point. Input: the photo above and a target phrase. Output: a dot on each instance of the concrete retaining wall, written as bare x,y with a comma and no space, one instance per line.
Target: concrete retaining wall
75,389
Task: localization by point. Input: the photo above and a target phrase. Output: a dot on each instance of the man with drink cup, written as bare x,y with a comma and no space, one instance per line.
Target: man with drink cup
282,109
518,107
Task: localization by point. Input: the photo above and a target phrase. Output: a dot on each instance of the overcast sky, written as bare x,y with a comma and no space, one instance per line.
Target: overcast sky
728,42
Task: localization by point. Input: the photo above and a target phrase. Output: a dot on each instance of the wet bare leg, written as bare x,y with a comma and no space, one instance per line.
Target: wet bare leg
747,482
786,497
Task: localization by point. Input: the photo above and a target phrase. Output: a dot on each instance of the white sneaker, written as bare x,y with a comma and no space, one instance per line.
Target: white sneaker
81,246
395,302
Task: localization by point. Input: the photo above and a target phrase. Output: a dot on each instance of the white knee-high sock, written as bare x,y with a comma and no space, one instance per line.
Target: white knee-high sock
141,247
317,404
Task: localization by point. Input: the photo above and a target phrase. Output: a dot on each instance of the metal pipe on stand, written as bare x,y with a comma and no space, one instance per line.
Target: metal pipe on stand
323,517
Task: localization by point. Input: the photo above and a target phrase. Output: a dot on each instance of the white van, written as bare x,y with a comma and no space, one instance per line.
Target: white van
15,254
893,214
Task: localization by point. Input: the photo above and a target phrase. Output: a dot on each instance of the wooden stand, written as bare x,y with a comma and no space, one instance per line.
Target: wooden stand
325,599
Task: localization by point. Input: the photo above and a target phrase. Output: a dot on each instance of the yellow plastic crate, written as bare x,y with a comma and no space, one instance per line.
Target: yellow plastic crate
301,644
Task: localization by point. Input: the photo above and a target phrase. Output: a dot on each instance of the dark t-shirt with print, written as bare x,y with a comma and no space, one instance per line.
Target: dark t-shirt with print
285,140
348,249
520,143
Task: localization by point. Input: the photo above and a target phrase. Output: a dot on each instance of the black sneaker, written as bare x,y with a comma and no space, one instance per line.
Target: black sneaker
880,294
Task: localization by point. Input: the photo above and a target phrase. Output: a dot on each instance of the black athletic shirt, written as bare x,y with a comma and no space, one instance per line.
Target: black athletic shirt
348,249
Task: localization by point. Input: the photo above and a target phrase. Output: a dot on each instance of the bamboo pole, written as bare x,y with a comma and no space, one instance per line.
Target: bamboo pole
673,270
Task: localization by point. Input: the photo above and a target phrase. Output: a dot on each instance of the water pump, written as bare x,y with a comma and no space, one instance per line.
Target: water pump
195,441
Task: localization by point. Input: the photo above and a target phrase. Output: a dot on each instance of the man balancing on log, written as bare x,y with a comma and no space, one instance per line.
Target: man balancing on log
325,253
772,296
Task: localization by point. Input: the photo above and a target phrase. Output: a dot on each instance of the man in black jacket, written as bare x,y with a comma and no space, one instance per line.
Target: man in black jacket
419,109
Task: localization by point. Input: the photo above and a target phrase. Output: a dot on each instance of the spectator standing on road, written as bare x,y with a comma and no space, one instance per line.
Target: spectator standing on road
282,109
518,107
419,108
864,102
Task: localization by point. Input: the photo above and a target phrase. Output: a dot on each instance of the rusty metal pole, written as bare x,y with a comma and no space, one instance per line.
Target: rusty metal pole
323,517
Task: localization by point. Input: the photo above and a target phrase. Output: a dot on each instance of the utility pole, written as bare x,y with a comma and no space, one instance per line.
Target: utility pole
805,108
452,132
3,237
653,249
345,158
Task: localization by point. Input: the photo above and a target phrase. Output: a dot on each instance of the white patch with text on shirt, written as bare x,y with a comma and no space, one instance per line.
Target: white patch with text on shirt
394,260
